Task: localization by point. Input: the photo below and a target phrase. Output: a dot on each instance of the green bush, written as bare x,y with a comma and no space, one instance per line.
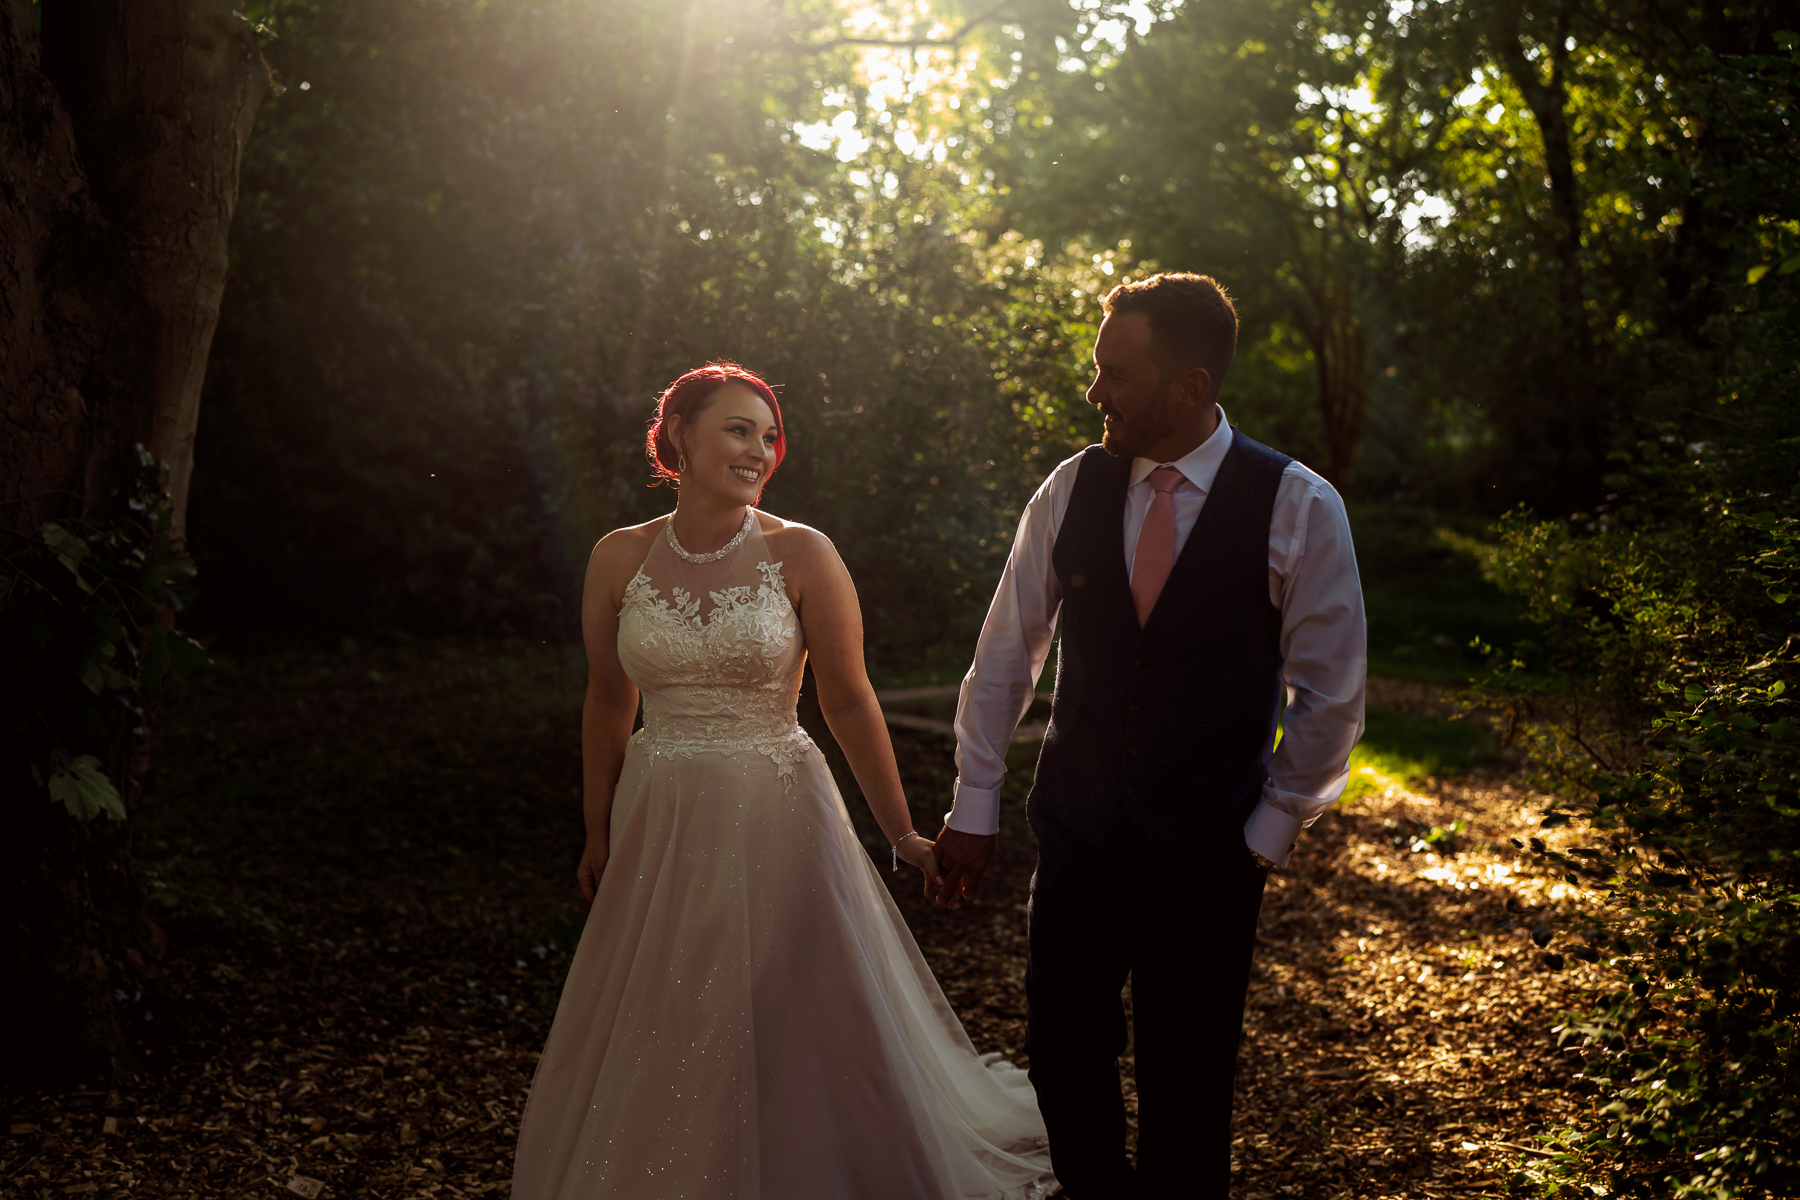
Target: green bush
85,645
1661,710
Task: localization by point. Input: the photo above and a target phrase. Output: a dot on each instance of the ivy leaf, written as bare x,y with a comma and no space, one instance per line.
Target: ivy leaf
1755,274
70,550
1790,266
170,652
85,791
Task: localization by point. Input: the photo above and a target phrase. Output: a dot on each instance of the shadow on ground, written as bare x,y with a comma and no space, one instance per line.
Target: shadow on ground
364,861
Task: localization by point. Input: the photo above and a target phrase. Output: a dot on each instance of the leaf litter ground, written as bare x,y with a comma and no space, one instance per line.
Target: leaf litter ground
364,860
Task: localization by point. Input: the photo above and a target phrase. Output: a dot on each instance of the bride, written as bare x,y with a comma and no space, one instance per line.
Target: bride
747,1015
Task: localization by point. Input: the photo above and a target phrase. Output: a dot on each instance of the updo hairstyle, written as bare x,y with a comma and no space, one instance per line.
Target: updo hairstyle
686,397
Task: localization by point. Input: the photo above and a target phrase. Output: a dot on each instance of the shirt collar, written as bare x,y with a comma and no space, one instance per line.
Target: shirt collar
1200,466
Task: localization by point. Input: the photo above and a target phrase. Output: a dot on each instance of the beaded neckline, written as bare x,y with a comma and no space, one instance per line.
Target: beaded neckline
722,551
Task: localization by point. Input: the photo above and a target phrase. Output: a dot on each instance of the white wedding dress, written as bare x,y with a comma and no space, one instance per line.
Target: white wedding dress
747,1015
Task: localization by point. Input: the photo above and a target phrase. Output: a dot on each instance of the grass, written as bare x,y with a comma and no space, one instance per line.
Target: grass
1425,594
1403,749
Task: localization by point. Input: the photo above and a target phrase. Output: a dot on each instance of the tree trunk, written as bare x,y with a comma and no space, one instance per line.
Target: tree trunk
1571,415
162,95
1326,314
125,124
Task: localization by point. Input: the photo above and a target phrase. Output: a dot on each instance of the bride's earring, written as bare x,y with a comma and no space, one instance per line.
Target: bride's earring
681,462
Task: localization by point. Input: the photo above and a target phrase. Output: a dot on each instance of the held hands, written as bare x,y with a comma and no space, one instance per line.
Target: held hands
964,858
916,852
593,862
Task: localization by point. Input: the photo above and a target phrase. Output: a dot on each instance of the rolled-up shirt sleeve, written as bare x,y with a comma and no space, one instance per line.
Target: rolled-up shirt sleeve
1009,657
1313,580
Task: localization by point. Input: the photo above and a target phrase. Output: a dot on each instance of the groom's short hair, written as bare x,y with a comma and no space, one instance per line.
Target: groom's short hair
1192,322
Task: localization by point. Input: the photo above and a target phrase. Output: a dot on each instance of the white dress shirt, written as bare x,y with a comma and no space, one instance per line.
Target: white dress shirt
1312,580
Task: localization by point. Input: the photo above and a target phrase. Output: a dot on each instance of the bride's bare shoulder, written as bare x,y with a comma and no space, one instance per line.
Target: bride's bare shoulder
792,539
622,551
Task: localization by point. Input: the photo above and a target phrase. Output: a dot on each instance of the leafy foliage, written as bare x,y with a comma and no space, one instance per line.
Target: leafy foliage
476,244
85,646
1669,620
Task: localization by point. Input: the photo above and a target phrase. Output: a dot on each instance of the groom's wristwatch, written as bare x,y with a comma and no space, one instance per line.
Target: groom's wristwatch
1263,863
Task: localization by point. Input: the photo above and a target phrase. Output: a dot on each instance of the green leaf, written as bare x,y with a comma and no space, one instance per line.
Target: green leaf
1756,273
62,541
1776,688
83,789
70,550
1694,693
1790,266
169,652
1779,597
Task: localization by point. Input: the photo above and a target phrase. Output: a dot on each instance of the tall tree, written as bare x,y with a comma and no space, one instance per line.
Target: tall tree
1275,145
123,125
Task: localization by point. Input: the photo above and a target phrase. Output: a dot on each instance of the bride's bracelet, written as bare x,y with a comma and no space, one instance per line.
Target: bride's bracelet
896,846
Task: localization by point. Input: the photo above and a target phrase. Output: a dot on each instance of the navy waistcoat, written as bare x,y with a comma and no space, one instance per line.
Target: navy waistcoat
1168,726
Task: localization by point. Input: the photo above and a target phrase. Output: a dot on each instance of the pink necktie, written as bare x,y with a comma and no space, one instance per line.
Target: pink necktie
1156,544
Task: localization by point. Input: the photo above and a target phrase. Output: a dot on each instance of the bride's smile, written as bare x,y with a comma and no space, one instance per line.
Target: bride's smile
727,450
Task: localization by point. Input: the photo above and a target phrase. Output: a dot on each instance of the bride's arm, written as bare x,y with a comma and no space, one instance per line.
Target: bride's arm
831,621
610,706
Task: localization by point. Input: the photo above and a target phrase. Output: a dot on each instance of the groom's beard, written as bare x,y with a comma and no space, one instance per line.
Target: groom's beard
1130,438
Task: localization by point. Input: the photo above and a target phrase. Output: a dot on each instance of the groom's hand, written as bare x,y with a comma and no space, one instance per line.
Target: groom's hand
963,857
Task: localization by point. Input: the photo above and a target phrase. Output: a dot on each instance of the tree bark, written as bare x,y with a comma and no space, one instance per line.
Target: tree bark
1572,396
1549,103
1325,313
57,301
162,95
121,133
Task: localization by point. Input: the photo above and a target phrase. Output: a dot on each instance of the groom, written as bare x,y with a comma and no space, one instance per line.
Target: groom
1197,575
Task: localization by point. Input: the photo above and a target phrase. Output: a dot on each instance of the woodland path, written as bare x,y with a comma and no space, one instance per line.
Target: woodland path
363,1014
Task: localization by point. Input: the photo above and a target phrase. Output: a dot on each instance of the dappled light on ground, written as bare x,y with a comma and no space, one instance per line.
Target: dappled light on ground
364,860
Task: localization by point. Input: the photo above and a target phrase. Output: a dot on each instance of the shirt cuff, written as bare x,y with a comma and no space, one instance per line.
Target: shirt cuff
1271,831
974,810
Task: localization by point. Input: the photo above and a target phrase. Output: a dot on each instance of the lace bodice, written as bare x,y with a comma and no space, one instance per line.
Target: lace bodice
716,650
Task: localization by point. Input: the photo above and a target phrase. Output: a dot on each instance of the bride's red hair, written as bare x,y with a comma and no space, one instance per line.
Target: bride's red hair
686,397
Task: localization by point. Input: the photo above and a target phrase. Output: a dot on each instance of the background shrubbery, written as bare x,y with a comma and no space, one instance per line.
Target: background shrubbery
1669,727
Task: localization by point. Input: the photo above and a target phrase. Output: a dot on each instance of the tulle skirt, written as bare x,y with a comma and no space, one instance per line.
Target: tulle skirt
747,1014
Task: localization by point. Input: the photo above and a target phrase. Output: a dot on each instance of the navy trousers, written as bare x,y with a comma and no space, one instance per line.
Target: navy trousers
1182,929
